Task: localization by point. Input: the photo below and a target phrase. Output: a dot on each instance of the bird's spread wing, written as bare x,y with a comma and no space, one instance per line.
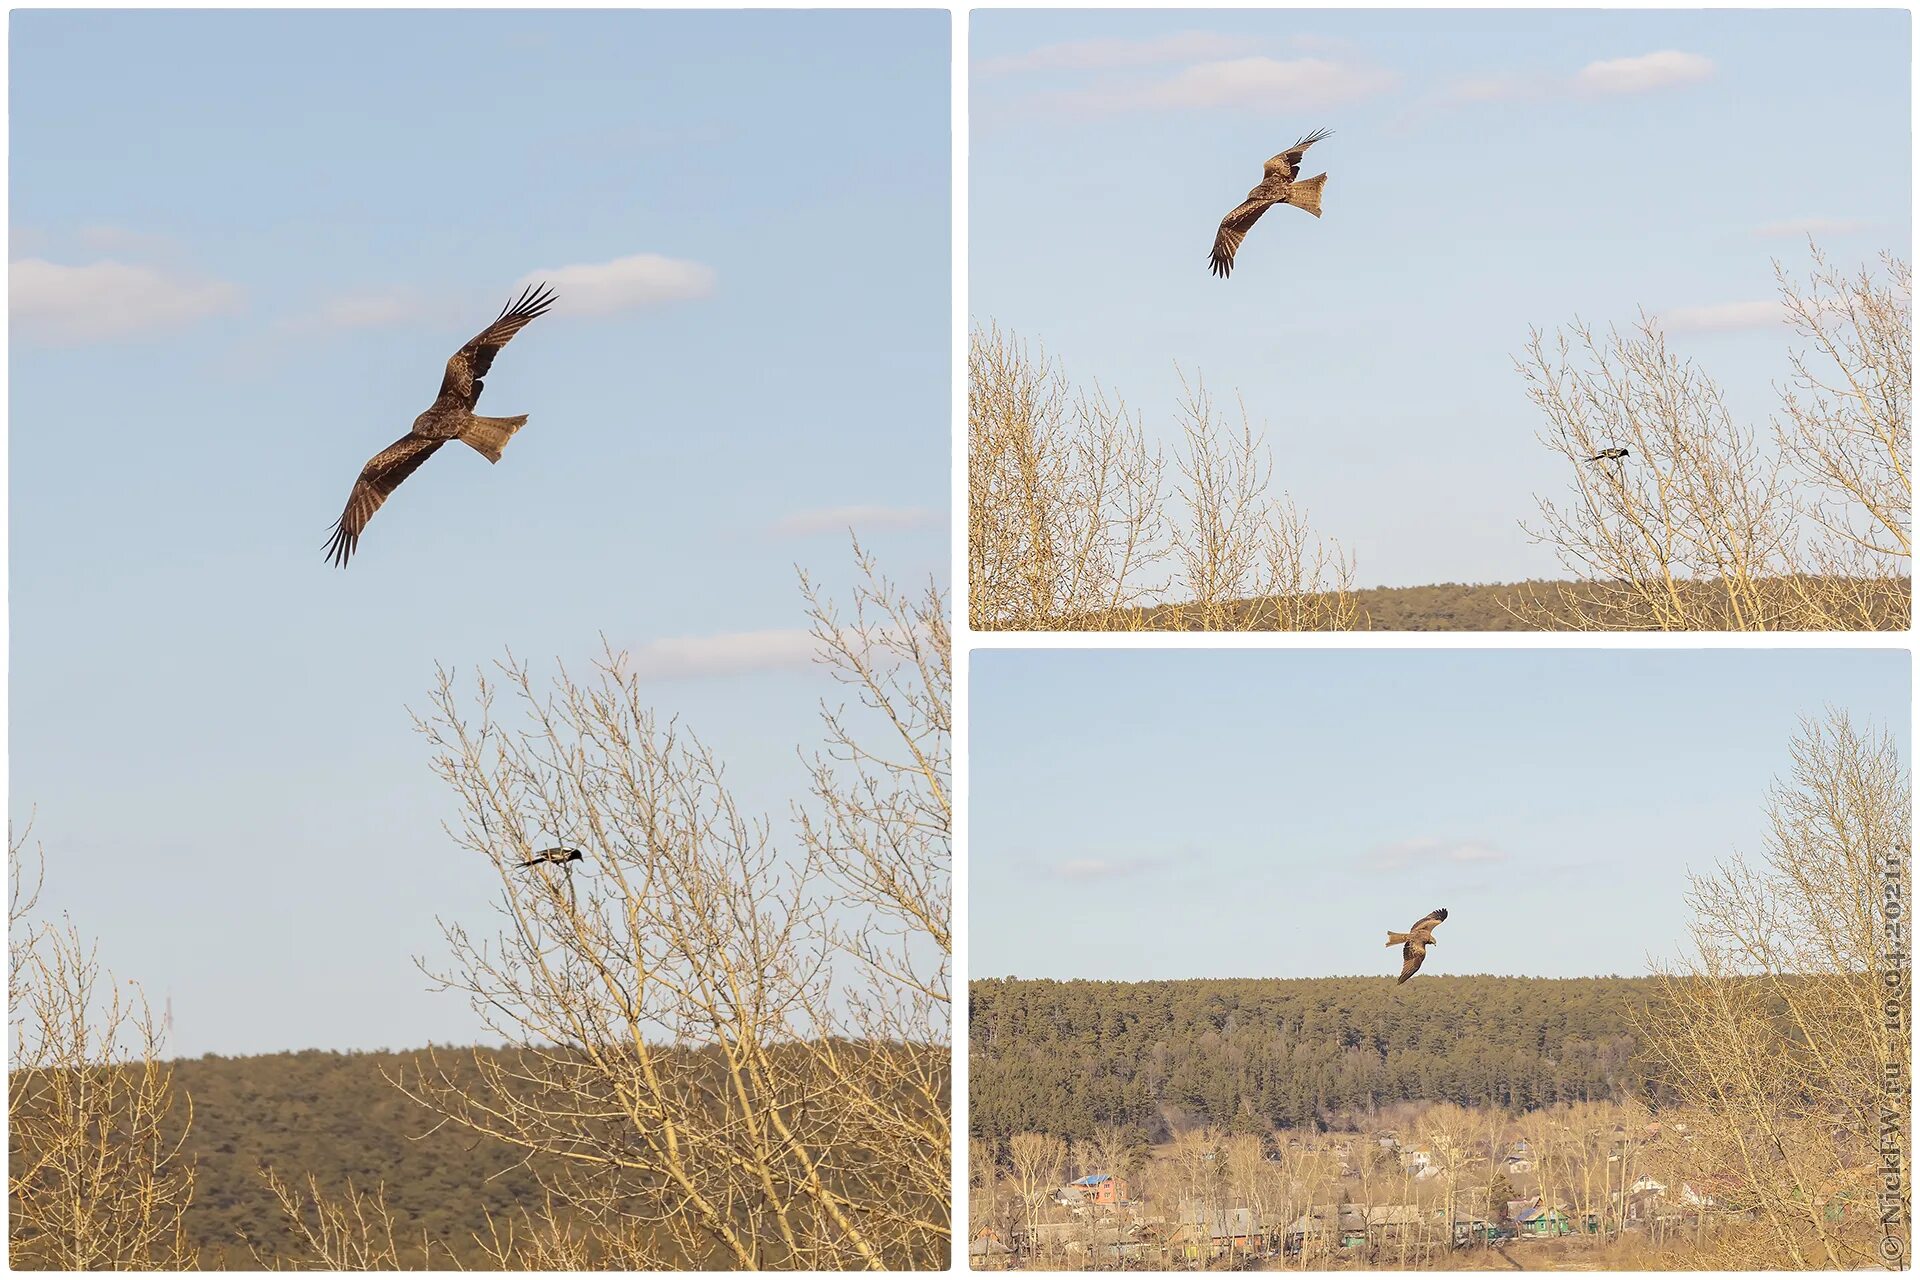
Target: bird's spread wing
1233,229
1426,922
471,362
1410,956
380,477
1287,163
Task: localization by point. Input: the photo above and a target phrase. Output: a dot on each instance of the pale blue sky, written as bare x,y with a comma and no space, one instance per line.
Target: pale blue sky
1489,171
243,246
1187,814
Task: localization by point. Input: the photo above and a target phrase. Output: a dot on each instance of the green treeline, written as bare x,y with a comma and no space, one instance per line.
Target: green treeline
1252,1055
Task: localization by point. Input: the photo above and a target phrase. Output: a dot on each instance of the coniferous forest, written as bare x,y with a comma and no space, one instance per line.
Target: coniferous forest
1252,1055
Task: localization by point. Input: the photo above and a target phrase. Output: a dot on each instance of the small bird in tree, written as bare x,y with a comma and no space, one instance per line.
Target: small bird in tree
1414,942
1608,455
561,856
1278,187
450,417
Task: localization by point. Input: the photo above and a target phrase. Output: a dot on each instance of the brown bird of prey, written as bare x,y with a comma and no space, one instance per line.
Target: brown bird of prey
1415,941
1282,185
561,856
450,417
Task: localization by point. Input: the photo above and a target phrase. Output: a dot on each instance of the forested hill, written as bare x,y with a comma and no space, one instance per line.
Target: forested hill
1254,1054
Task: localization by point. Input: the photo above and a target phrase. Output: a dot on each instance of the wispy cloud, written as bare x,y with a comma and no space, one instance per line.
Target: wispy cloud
1798,228
1665,69
820,520
1252,83
726,654
1085,869
640,280
1116,52
1611,77
1427,851
1764,313
105,300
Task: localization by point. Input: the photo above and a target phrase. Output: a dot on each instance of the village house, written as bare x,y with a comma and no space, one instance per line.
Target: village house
1102,1189
1540,1222
1201,1233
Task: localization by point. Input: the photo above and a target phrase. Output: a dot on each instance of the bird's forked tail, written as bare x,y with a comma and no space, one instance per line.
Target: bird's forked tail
1395,939
1305,194
490,435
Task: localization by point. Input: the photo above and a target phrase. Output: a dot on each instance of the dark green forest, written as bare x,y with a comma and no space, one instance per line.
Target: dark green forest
1257,1054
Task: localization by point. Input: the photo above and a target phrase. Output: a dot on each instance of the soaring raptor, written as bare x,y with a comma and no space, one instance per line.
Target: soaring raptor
1415,941
1282,185
450,417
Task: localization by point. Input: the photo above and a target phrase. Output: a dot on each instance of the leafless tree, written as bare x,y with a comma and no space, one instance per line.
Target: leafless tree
1705,526
732,1050
97,1178
1077,522
1774,1030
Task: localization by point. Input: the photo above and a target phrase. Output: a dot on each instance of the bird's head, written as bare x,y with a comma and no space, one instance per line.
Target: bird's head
573,855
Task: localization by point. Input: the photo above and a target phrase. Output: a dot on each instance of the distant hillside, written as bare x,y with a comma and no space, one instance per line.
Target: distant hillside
1256,1054
336,1116
1457,606
1451,606
332,1115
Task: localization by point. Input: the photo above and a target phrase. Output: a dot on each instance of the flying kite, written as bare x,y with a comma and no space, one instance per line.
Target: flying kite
1280,186
1415,941
450,417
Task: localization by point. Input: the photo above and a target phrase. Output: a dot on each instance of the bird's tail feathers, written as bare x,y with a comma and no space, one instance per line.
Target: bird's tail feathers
1305,194
1395,939
490,435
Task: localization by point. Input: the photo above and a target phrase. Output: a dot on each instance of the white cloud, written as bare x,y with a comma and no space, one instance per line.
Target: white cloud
1111,52
729,653
1256,83
1260,83
1723,316
1800,228
1320,44
1426,851
1662,70
108,299
859,519
643,279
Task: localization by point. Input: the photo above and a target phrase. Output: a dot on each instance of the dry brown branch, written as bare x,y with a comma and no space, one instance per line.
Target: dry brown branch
1773,1030
737,1048
1072,524
1702,526
96,1176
